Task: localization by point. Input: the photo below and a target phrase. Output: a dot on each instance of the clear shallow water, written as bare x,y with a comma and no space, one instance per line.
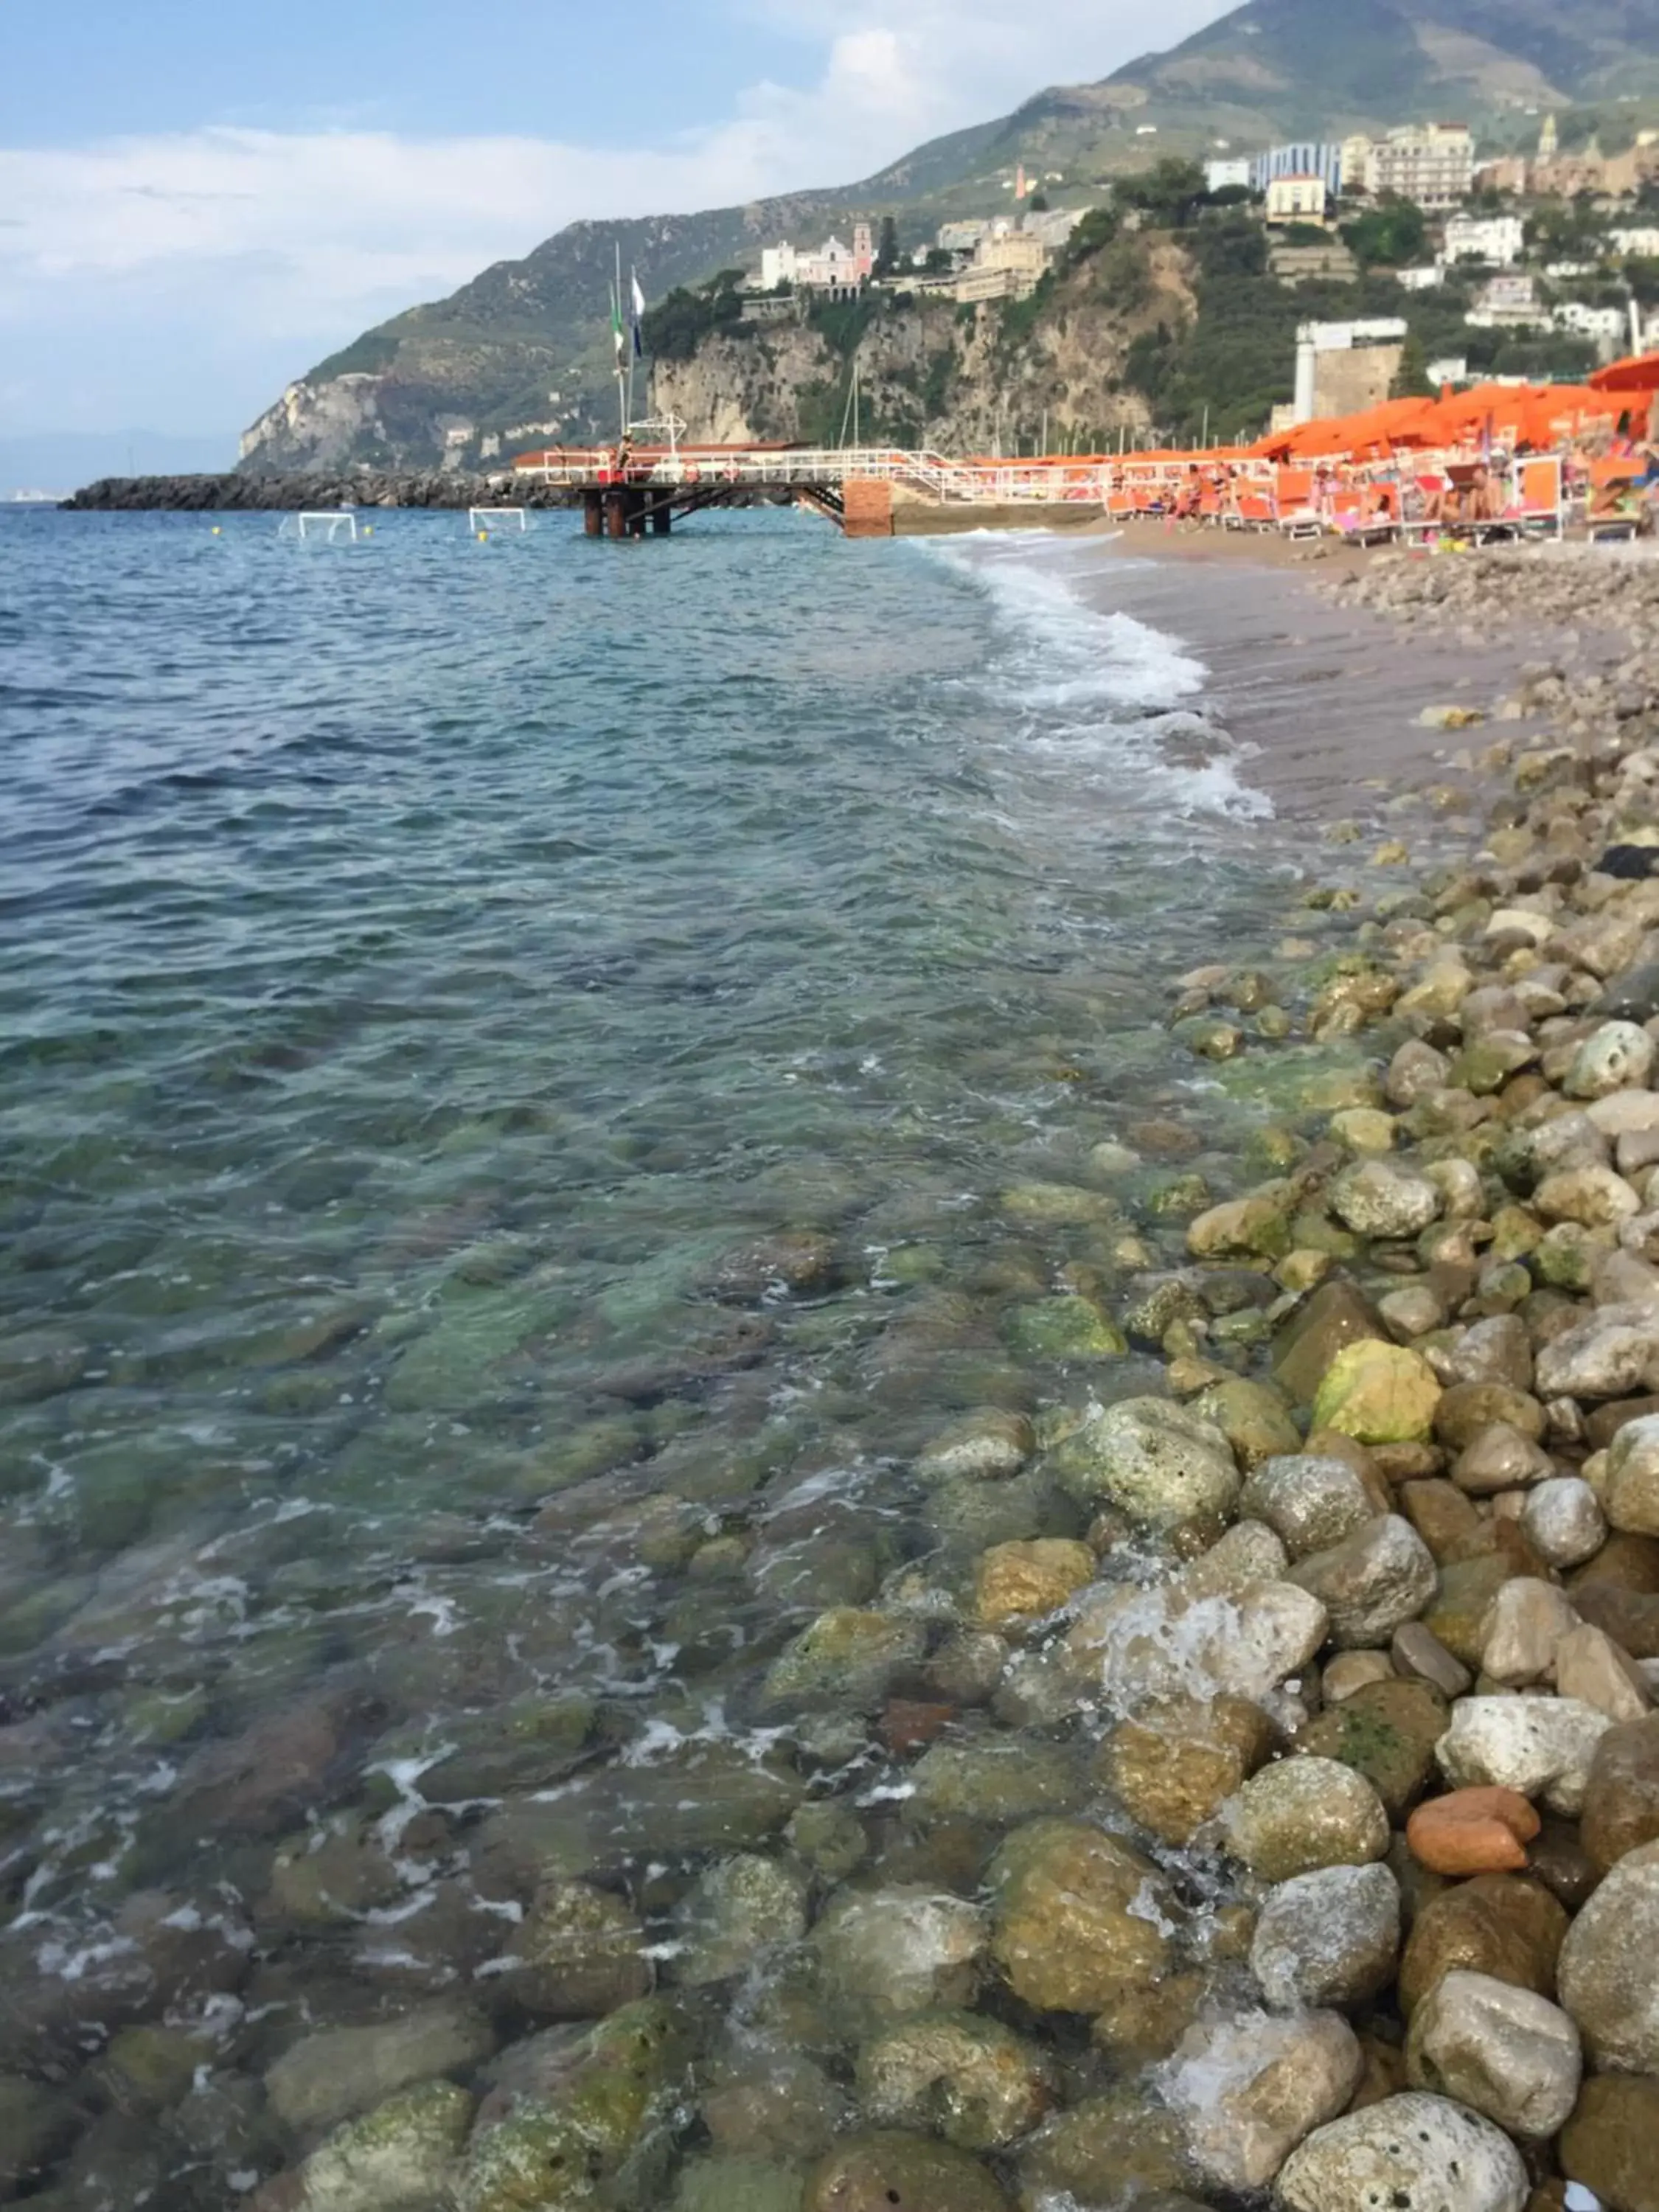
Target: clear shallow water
436,973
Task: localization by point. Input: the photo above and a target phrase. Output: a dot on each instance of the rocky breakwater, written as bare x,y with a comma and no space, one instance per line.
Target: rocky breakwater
237,493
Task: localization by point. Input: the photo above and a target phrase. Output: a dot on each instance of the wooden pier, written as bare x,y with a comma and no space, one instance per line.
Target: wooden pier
643,491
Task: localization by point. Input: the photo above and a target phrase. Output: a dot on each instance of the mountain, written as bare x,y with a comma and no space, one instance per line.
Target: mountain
522,353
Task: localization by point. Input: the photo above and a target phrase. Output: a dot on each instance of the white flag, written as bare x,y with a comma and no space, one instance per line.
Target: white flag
639,299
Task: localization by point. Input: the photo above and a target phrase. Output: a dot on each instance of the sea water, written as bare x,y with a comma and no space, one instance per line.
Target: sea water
535,1075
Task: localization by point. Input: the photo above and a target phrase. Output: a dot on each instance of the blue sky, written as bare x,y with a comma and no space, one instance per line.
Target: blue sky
200,198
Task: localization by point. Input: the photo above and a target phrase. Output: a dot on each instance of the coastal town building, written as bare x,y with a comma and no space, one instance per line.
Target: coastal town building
1300,197
1342,368
1555,173
1508,302
1232,174
1608,327
1431,163
1428,277
1497,240
1307,160
1638,241
834,267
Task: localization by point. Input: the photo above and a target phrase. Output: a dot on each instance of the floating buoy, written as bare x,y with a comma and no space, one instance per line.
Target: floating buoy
217,532
483,537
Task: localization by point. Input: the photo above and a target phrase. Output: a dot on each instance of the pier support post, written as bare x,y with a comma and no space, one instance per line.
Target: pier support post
616,514
662,519
592,514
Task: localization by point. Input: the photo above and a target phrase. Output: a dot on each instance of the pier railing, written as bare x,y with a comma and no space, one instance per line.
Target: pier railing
984,481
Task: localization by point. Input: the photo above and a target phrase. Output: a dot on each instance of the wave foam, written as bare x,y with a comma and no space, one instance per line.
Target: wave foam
1100,691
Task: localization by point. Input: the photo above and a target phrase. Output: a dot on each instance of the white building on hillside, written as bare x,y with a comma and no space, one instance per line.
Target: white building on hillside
1499,241
1432,164
1642,241
1427,278
1608,326
1507,303
833,268
1231,175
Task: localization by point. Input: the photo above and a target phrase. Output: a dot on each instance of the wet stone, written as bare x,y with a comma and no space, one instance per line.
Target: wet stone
329,2077
1498,1924
1302,1814
579,1953
701,1797
847,1659
906,1948
1606,1979
1506,2053
1249,2089
1607,2147
1175,1762
1329,1938
1026,1582
1075,1919
1159,1462
741,2184
1386,1732
986,1447
401,2155
1310,1503
1415,2151
737,1911
995,1783
1369,1584
1118,2148
877,2172
958,2075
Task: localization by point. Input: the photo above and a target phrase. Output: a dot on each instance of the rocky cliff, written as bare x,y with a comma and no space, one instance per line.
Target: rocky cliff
929,374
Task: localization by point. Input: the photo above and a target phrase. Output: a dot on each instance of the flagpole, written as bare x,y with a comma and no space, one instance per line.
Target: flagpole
616,328
633,333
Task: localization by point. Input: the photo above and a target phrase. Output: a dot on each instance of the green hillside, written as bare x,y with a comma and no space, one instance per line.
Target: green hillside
523,352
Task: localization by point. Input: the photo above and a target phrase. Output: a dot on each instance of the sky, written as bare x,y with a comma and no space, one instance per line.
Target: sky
201,199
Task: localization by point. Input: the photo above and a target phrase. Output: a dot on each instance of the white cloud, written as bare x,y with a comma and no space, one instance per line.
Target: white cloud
179,279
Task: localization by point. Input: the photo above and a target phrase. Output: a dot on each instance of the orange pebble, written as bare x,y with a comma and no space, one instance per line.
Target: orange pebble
907,1726
1473,1832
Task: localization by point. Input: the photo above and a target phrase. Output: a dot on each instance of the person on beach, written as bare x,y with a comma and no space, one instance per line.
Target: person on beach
1466,506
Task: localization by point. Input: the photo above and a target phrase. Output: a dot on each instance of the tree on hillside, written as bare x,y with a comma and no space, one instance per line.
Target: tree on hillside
1411,380
1169,194
677,325
1393,234
887,248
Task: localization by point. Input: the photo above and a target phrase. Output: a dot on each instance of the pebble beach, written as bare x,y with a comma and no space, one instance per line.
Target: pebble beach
1216,1766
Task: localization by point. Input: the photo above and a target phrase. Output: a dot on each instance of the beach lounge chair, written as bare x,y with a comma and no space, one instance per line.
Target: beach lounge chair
1296,508
1616,513
1355,519
1253,508
1539,506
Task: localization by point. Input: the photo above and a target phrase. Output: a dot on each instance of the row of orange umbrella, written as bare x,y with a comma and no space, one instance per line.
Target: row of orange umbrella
1535,415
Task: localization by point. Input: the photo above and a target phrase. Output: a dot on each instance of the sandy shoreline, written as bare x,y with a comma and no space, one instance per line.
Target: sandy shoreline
1328,694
